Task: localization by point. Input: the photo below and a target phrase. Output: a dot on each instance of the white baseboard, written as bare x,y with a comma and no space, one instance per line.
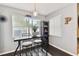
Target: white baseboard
6,52
63,50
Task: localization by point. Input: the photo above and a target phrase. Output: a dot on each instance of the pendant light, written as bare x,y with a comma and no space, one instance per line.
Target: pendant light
35,11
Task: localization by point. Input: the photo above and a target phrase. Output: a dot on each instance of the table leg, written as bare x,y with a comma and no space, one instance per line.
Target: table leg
20,49
19,44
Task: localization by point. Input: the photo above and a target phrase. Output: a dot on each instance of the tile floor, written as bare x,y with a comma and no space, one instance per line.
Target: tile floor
35,52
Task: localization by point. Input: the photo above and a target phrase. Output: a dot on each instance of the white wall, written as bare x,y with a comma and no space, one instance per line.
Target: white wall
6,40
68,41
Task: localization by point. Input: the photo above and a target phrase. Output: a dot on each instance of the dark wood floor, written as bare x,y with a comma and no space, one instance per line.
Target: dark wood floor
56,52
52,50
78,45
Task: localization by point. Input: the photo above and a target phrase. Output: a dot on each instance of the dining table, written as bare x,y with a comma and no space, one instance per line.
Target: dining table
23,39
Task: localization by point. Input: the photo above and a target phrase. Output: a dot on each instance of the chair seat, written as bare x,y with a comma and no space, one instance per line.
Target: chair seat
37,41
27,43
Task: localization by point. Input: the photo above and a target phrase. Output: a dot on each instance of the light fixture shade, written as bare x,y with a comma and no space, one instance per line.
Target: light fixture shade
35,13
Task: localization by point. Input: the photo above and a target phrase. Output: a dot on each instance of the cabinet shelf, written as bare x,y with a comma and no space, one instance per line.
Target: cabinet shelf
45,31
45,26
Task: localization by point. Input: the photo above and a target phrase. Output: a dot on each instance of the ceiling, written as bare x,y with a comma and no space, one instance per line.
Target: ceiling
42,8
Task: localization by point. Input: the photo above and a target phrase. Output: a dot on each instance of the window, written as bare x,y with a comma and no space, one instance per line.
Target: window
55,26
23,26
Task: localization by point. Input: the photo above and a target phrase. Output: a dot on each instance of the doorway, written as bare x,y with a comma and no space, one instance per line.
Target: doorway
78,29
78,37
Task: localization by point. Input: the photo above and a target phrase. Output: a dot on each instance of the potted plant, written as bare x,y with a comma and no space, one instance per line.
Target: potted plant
34,27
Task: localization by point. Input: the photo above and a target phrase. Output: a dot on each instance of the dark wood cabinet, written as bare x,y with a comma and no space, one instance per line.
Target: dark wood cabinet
45,34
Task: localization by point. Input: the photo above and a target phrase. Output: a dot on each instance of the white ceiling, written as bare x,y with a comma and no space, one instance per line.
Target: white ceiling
42,8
